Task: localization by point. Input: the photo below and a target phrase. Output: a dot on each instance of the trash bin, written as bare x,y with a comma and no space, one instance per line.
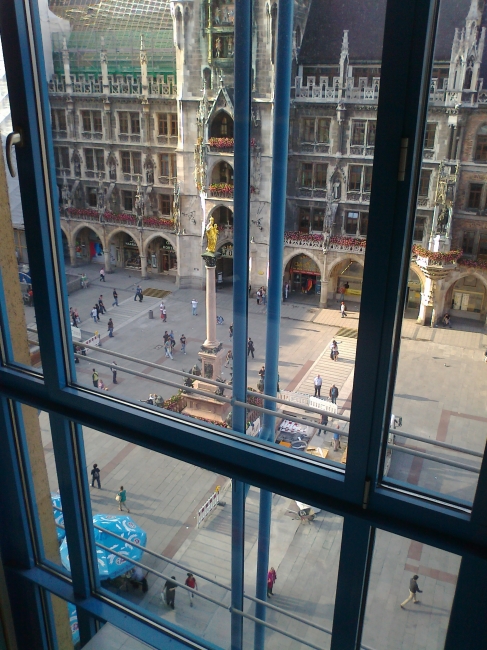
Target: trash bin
151,313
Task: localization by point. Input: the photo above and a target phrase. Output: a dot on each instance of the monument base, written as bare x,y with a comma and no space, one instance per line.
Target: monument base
210,408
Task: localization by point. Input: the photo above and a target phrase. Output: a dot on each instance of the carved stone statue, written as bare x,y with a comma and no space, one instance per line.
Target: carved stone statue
218,47
442,222
211,235
337,186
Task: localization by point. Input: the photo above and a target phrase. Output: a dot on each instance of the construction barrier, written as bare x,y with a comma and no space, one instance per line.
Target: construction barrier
323,404
94,340
205,509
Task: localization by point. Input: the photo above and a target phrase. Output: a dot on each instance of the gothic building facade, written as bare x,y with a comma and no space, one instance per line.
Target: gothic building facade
144,151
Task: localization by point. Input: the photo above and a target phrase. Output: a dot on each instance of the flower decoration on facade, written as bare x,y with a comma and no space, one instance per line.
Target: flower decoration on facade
348,242
296,237
472,264
221,189
124,218
221,143
83,212
436,257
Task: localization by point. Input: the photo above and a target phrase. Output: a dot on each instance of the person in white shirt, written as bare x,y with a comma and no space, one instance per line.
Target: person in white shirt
318,381
194,305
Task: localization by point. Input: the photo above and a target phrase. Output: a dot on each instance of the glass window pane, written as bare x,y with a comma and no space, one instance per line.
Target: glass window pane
304,547
440,444
416,625
179,512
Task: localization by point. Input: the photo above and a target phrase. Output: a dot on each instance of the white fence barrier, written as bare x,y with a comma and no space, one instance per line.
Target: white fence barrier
205,509
297,398
253,428
75,333
323,405
94,340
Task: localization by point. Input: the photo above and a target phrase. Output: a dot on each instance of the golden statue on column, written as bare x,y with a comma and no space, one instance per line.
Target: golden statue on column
211,235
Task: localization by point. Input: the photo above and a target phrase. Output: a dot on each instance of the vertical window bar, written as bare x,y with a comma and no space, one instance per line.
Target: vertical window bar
243,99
73,485
276,252
407,54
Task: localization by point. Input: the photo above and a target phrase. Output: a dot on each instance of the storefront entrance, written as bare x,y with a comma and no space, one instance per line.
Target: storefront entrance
131,257
161,256
304,277
349,281
224,265
88,247
467,298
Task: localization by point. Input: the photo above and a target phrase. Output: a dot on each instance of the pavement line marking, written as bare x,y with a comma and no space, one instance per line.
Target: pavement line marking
436,574
300,375
117,459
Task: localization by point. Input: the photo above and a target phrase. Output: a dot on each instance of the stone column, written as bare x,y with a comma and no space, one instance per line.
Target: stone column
143,267
210,264
72,254
324,294
108,264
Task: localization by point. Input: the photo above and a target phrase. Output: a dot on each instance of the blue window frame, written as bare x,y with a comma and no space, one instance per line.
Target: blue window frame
357,494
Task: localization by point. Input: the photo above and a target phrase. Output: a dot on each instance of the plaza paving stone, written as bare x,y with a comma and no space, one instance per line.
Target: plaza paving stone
440,393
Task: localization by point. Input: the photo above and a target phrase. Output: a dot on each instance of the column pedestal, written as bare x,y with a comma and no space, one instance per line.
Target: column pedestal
324,294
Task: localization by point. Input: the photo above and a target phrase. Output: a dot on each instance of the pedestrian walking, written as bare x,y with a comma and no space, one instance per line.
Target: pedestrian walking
413,590
324,420
101,305
271,580
95,476
182,340
192,584
318,382
250,347
115,298
164,315
94,315
334,350
166,336
101,385
122,499
230,330
228,358
333,394
161,308
173,340
170,591
97,307
168,348
343,309
94,378
264,297
138,294
113,368
102,275
110,328
194,306
286,290
336,440
446,320
84,281
259,294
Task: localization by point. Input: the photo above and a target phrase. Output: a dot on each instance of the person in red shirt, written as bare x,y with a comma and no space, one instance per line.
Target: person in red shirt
191,583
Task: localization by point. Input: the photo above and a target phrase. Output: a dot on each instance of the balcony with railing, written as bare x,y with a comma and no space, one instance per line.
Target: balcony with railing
319,240
91,84
118,218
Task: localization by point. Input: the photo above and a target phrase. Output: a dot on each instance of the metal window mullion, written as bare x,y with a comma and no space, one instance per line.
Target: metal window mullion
67,440
29,106
406,63
241,202
280,144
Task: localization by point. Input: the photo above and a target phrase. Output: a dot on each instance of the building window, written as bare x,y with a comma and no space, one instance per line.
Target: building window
95,160
128,200
135,123
123,122
309,130
167,124
131,162
61,158
419,226
483,246
91,121
481,144
92,197
367,178
323,130
424,182
318,220
363,133
351,222
355,178
363,223
165,204
430,135
58,119
304,219
128,123
468,242
313,175
474,196
306,175
168,166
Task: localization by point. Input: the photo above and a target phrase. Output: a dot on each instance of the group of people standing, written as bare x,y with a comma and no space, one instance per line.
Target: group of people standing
261,296
170,343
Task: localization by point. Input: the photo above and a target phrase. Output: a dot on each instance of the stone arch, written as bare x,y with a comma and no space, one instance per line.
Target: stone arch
412,303
304,279
224,264
98,230
170,238
217,209
65,230
301,251
65,241
131,234
458,275
343,258
419,272
221,172
447,294
221,125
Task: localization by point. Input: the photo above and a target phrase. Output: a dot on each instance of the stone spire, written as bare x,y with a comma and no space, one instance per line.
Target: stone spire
67,70
143,67
104,68
344,63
